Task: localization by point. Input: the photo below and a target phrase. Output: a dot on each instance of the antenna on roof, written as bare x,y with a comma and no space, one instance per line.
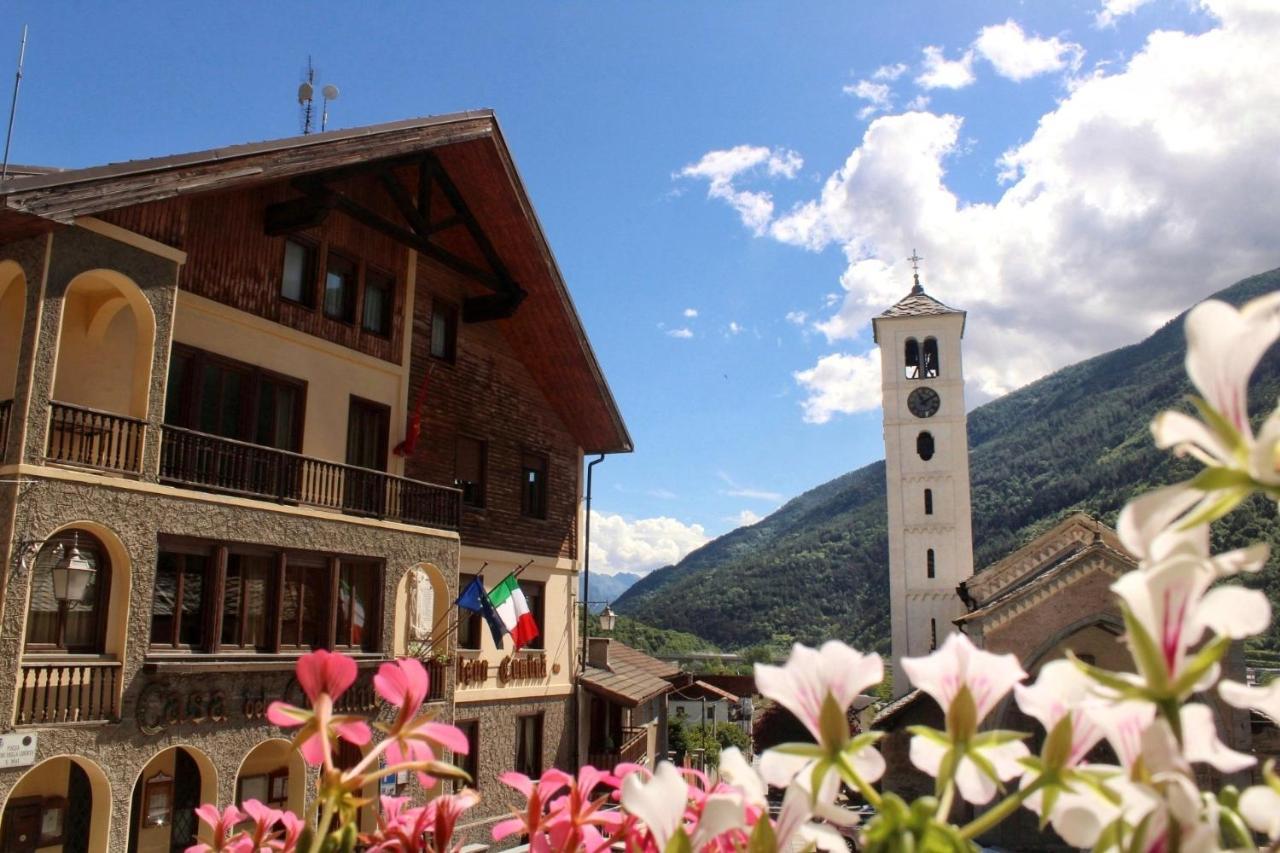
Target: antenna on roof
13,105
306,95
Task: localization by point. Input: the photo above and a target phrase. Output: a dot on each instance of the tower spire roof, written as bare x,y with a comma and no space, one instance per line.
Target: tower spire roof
917,303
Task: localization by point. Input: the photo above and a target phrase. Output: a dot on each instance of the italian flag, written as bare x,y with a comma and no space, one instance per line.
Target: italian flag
508,599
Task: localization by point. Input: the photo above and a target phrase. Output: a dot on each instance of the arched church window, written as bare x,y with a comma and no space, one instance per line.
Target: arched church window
930,563
924,446
912,358
928,501
929,358
70,581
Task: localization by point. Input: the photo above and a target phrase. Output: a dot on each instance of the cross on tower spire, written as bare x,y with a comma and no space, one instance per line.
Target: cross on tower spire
915,269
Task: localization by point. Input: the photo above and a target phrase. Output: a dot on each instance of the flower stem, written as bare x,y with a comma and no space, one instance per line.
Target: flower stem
322,828
993,816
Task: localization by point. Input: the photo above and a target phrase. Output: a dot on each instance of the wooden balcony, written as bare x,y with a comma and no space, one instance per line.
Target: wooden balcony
212,463
437,672
635,750
67,691
89,438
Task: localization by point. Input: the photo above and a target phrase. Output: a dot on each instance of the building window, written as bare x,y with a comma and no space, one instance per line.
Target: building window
930,563
221,396
470,763
911,359
298,279
340,280
69,626
469,622
933,634
379,295
533,485
357,605
444,331
270,601
469,465
929,358
533,594
924,446
529,745
928,501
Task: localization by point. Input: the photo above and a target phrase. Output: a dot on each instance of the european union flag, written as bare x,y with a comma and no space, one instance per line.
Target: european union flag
475,599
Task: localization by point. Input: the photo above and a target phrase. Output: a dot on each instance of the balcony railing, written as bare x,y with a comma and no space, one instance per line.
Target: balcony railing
94,439
6,406
634,750
204,461
68,692
437,672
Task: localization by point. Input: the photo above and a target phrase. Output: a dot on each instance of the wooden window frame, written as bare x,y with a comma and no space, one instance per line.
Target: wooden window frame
483,482
162,784
188,406
388,311
314,248
350,304
314,563
534,505
187,549
449,310
537,751
471,761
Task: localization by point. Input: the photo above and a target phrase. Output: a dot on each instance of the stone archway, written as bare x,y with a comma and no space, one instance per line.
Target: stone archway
13,309
72,783
271,768
165,795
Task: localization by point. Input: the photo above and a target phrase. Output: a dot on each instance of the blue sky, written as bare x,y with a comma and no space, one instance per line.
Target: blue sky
745,161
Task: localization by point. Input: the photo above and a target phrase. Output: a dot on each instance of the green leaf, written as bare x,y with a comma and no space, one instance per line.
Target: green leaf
932,734
679,842
1231,498
1201,663
1145,652
1217,479
833,724
804,750
997,737
947,770
1057,746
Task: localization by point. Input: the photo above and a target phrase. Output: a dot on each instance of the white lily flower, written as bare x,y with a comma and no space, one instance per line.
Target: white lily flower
720,813
1200,742
1150,528
959,664
1173,604
1265,700
1061,689
811,675
795,829
1260,808
971,780
659,801
1123,724
734,770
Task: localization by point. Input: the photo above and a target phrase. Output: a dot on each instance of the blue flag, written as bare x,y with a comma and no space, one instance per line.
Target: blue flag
475,599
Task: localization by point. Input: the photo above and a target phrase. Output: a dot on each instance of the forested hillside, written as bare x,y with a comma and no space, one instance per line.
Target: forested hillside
1077,439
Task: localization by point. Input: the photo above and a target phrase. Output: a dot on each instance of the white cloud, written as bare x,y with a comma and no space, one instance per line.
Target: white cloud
878,95
746,518
734,328
1112,9
720,168
890,72
1017,56
797,318
640,545
919,102
942,73
735,490
683,333
1142,191
840,384
691,312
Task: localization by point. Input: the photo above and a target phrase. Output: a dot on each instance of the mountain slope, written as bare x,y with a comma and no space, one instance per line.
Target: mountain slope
1077,439
606,588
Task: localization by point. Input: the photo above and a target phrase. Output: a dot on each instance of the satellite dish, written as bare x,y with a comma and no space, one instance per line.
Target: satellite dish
330,92
305,92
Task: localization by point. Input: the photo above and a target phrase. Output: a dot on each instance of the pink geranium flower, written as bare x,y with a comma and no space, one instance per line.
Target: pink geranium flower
323,676
575,820
222,823
404,685
538,796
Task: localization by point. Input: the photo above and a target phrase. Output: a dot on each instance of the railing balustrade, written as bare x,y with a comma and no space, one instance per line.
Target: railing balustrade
6,406
68,692
634,750
437,672
94,439
204,461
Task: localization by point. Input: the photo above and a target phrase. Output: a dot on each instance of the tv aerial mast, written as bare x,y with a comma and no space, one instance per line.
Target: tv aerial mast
306,97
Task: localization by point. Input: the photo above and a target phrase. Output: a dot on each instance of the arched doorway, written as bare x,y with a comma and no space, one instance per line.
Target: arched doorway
63,802
273,773
13,309
162,816
102,377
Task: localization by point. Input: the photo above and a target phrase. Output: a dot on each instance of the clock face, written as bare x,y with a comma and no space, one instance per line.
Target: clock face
924,402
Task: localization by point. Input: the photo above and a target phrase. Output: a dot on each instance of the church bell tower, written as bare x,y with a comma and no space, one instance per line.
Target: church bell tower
927,471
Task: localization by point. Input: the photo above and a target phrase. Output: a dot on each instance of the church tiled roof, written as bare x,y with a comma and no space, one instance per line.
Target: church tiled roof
917,303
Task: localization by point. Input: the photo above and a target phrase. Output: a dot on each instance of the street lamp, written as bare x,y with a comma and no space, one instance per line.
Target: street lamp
607,619
71,575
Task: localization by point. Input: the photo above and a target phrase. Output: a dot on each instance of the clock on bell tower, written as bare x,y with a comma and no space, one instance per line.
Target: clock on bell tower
926,470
